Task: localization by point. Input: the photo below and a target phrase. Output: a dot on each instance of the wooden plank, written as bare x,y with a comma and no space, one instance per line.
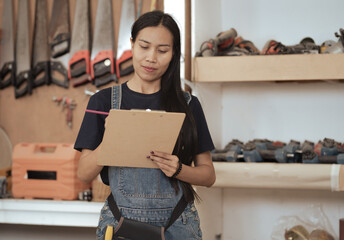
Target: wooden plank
269,68
280,176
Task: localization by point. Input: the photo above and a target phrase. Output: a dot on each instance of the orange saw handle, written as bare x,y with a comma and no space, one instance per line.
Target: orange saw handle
124,65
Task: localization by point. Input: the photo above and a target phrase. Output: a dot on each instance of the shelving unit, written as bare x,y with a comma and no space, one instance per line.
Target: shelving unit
268,68
328,177
50,212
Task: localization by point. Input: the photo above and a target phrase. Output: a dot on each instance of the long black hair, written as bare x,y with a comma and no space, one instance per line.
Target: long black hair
172,96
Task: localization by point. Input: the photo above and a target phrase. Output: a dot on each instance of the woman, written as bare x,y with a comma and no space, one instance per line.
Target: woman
142,194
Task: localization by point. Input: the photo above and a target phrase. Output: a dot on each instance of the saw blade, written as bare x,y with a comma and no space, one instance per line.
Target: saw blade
81,27
22,38
59,28
103,31
7,41
40,52
127,20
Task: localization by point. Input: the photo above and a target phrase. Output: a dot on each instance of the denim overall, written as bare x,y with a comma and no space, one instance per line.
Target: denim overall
146,195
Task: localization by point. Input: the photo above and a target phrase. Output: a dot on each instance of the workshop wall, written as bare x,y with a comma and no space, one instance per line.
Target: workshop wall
37,118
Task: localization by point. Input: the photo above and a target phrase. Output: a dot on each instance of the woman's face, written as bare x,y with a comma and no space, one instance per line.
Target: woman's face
152,52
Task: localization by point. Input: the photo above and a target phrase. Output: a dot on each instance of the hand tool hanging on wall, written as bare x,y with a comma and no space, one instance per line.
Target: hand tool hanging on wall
7,61
40,51
124,55
23,81
79,63
69,104
59,40
102,56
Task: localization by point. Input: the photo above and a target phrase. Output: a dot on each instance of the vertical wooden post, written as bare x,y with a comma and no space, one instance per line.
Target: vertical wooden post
187,59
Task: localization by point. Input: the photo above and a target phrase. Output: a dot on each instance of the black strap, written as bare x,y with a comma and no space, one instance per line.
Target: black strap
177,211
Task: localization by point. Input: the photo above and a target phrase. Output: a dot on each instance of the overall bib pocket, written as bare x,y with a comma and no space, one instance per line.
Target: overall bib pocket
144,183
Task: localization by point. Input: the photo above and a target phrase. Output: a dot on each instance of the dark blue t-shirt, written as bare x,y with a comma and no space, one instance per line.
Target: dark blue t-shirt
92,128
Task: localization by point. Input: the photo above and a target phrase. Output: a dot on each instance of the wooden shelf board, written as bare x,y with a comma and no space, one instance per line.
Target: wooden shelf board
298,67
280,176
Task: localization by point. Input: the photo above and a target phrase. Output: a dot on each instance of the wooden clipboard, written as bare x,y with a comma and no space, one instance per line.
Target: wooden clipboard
131,135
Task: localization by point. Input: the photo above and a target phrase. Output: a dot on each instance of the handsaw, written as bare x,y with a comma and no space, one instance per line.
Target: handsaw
23,84
40,51
7,61
59,41
5,150
79,64
124,64
102,56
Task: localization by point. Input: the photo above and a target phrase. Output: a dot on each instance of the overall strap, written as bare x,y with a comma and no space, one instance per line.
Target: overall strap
177,211
116,97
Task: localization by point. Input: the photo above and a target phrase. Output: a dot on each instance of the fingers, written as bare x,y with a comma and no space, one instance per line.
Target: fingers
166,162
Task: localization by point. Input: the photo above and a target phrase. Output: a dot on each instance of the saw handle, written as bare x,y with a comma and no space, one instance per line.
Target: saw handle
57,68
124,64
79,68
8,68
79,64
60,45
103,69
105,79
77,81
41,67
102,64
23,84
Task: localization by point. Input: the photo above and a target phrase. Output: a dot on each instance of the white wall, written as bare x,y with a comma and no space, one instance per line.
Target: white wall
278,111
283,111
286,21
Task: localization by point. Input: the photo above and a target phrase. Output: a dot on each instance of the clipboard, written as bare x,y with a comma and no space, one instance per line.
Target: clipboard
130,136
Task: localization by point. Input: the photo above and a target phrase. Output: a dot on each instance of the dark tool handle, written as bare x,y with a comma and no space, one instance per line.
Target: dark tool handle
102,67
81,80
23,84
79,64
124,59
103,64
8,68
102,80
268,155
57,67
327,159
41,67
60,45
78,68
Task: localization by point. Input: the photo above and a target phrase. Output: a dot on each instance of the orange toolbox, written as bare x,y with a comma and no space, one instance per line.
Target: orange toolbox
46,170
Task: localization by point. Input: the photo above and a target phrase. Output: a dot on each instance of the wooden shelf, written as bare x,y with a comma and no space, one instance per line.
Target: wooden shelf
50,212
268,68
280,176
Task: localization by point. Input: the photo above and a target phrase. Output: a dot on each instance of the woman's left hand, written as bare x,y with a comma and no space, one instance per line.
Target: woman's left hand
166,162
